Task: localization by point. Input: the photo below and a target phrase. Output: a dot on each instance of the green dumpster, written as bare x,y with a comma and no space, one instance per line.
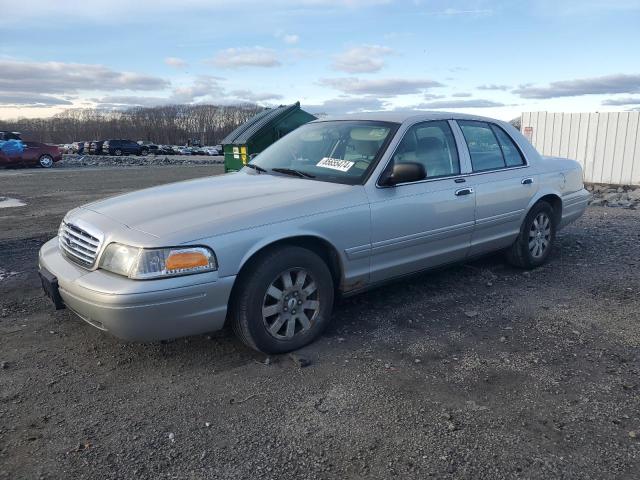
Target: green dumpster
259,132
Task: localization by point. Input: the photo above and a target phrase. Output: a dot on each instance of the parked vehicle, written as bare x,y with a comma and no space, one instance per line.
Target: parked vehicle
182,150
119,147
78,147
29,153
93,147
333,208
198,151
4,136
160,150
211,151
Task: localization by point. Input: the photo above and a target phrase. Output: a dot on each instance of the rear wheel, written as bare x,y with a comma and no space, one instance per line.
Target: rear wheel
46,161
284,301
536,238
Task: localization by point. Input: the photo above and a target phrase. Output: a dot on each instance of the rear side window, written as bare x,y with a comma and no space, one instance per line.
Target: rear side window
432,144
512,155
484,149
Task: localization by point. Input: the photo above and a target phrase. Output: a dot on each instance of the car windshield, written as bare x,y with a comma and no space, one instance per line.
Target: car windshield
332,151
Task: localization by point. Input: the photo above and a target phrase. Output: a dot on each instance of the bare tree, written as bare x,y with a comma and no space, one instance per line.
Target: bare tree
169,124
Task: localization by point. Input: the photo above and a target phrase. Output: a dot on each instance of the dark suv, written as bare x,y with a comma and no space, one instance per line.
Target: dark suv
123,147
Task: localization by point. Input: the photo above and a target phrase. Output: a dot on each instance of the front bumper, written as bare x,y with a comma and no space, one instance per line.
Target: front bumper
140,310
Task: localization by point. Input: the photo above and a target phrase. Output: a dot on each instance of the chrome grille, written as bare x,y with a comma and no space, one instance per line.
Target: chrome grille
78,245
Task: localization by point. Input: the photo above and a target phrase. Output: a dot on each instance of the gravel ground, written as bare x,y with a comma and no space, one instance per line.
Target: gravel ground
476,371
75,161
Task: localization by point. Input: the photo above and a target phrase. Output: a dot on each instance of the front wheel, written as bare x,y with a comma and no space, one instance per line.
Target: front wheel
536,238
46,161
117,152
284,300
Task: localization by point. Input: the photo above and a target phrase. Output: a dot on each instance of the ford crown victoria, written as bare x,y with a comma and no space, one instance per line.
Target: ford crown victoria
337,206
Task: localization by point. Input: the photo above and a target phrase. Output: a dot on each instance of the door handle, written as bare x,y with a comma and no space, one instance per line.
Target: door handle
464,191
527,181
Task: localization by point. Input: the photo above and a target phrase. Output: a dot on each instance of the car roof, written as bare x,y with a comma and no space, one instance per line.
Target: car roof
406,115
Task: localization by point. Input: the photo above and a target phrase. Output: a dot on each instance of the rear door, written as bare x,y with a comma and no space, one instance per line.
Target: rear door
423,224
502,181
131,147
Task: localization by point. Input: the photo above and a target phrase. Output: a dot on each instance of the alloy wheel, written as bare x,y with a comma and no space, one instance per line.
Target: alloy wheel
46,161
291,304
539,235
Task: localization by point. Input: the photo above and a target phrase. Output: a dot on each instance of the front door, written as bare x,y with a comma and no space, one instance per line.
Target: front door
415,226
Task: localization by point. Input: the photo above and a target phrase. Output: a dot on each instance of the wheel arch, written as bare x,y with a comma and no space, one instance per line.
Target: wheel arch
553,199
317,244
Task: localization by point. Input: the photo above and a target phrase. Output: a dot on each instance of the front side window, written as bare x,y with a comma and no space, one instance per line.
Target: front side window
332,151
431,144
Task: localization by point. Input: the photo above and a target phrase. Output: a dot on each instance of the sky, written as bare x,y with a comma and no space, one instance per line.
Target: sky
490,57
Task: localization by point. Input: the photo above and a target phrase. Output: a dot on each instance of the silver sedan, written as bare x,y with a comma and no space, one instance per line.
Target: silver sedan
336,207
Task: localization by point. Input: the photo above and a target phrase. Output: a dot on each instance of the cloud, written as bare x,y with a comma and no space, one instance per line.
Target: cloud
344,105
361,59
456,12
70,78
130,12
31,100
384,87
461,95
204,89
246,57
583,7
288,38
175,62
475,103
609,84
123,101
250,96
202,86
493,86
622,101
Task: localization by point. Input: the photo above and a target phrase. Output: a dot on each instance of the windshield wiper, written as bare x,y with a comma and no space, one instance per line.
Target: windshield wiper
256,167
291,171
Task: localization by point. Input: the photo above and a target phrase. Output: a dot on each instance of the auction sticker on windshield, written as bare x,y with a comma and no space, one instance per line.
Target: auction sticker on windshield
335,164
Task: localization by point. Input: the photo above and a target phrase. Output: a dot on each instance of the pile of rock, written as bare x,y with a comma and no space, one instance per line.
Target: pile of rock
132,161
614,196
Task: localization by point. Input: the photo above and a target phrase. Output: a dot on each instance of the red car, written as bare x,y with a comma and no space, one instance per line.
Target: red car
34,153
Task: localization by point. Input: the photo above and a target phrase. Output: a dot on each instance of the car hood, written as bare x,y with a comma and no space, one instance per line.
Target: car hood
211,206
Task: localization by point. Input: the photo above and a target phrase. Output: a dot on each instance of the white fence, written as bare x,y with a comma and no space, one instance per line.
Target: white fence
606,144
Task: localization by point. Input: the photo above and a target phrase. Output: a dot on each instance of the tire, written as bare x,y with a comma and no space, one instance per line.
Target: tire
536,239
46,161
144,152
117,152
270,317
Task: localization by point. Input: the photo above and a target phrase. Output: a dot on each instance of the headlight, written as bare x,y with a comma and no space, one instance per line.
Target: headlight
143,263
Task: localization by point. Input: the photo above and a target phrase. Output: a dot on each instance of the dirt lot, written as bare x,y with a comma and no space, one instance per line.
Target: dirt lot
476,371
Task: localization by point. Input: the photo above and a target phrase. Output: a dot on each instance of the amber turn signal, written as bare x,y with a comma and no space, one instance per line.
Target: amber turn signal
186,260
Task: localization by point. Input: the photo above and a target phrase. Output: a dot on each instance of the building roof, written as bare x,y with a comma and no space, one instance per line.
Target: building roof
244,132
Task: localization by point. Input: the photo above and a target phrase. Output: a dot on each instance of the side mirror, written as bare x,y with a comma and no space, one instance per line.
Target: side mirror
405,173
252,156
